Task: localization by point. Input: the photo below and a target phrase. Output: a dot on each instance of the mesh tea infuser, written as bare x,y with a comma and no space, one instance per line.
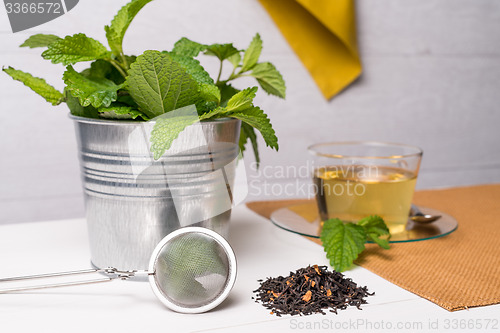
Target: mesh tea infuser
191,270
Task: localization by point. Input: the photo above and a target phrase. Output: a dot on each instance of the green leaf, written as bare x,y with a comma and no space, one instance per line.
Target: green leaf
90,90
226,91
252,54
342,243
269,79
375,227
235,59
159,84
130,60
218,112
40,40
120,23
256,118
38,85
242,100
192,67
77,110
100,69
127,100
188,48
243,140
221,51
210,93
166,130
203,106
248,132
76,48
120,111
103,69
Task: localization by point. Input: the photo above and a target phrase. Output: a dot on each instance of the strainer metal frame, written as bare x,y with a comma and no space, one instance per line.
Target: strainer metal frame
113,274
231,270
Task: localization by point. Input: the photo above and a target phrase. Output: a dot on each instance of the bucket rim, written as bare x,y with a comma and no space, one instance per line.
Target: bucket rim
109,122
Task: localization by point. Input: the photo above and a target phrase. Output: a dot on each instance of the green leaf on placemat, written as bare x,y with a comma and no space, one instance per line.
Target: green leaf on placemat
375,228
343,242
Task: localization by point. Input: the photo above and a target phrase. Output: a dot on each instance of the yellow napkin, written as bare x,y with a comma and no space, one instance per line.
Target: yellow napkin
323,34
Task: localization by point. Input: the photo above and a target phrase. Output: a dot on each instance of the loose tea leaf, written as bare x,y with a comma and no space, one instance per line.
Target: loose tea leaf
310,290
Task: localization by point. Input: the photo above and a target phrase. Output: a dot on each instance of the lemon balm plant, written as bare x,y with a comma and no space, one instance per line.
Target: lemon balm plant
124,106
121,87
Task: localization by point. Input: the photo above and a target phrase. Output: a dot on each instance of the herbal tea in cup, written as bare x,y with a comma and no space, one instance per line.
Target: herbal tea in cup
358,179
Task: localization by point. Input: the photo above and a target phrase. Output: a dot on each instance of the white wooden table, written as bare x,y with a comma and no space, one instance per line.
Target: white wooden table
262,251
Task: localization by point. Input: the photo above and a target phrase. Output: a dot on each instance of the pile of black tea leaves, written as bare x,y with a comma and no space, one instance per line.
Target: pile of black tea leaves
310,290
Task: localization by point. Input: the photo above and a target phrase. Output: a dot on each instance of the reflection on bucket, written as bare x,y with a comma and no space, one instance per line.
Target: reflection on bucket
133,201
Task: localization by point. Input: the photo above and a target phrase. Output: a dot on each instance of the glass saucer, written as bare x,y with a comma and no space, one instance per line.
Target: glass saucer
303,220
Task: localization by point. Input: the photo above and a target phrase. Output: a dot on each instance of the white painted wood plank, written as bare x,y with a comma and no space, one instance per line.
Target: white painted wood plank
40,208
262,251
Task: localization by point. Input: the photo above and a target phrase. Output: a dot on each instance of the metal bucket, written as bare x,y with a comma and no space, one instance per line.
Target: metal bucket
132,201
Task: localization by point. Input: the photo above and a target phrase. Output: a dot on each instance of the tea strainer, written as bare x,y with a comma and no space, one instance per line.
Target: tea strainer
191,270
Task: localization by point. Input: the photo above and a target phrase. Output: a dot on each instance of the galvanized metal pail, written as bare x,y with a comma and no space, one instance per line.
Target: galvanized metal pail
132,201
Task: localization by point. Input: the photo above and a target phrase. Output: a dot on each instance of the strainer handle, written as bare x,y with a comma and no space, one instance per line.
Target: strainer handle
112,274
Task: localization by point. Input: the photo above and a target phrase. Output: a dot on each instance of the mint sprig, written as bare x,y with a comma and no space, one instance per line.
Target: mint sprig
343,242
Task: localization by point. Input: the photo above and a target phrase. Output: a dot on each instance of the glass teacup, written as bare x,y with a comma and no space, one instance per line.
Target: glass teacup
358,179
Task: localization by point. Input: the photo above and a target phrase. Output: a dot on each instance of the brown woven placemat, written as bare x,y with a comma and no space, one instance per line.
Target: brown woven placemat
457,271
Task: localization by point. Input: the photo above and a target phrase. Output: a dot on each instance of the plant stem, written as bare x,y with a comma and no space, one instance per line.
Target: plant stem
124,60
118,66
232,76
220,73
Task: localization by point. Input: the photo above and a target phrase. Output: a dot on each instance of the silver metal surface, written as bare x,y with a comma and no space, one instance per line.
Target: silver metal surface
417,216
132,202
161,278
111,274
